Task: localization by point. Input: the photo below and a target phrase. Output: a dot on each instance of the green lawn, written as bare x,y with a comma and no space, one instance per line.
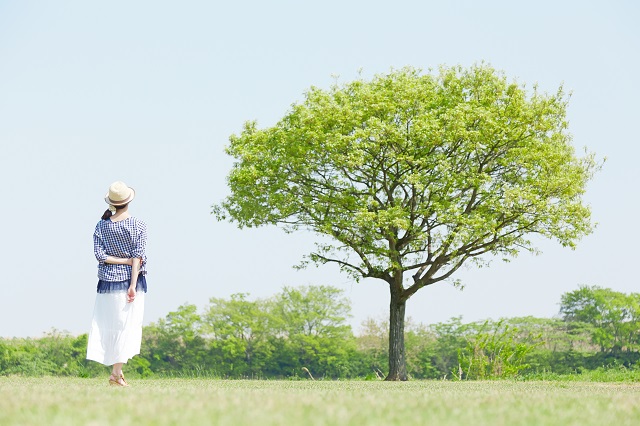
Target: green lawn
64,401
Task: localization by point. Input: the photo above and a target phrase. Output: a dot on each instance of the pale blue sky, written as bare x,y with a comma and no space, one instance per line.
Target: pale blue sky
148,92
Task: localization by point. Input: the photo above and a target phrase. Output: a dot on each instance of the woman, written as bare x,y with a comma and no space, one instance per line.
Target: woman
119,243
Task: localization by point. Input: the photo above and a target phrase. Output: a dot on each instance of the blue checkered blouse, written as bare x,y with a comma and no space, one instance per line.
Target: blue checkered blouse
127,239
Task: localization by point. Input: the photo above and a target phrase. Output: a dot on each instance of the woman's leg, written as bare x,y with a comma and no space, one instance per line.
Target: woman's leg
117,376
117,369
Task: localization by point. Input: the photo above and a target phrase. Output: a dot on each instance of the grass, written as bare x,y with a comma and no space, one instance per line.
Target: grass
69,401
619,374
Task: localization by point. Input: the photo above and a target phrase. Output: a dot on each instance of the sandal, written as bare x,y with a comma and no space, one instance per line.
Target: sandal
120,381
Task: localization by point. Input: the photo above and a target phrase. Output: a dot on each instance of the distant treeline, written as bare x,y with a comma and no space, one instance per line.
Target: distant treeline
303,332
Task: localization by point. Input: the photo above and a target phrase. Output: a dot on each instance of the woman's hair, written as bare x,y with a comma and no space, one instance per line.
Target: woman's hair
107,213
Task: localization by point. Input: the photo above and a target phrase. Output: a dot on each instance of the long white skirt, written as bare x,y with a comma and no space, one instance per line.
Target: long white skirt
116,329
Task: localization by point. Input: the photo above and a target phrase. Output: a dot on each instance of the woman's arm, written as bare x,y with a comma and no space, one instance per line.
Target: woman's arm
135,271
140,242
118,260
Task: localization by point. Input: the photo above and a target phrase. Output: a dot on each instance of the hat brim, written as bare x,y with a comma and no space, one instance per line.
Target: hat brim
127,200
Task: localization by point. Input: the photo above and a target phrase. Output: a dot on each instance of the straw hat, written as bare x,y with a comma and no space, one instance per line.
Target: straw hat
119,194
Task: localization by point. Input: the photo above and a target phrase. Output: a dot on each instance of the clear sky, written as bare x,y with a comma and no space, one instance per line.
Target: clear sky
148,92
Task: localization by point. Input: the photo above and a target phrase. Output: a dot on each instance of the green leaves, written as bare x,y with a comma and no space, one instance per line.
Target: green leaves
312,311
615,316
413,172
495,350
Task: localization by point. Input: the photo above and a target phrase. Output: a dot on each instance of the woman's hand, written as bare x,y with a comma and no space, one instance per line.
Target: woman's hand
135,270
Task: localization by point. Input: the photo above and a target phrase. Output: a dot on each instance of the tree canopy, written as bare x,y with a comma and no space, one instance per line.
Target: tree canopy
414,174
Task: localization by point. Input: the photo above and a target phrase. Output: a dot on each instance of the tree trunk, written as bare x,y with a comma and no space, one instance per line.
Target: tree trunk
397,364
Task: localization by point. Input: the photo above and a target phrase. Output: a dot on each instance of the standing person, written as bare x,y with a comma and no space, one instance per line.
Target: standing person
119,243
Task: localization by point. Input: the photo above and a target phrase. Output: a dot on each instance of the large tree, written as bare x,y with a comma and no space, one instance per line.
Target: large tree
412,175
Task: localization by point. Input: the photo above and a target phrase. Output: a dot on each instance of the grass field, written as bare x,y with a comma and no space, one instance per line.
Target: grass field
67,401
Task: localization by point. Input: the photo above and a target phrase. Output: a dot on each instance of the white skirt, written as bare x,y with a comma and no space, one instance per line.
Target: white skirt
116,329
